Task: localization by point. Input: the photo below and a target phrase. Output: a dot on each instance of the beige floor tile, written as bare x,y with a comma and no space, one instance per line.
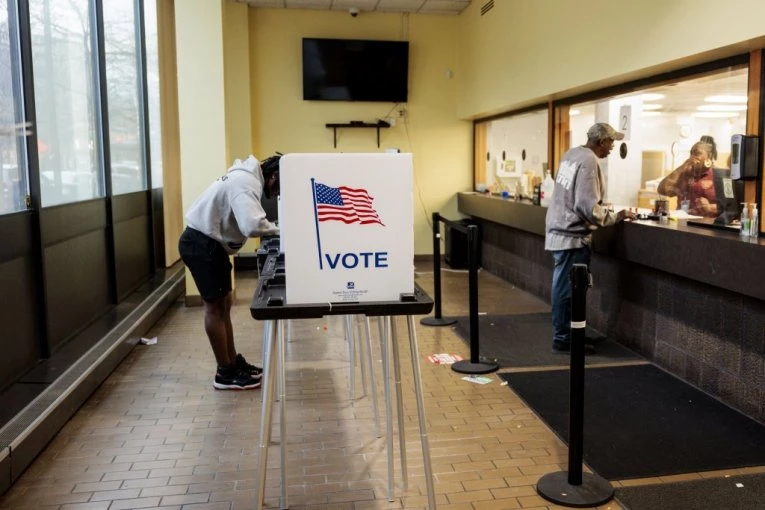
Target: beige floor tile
157,434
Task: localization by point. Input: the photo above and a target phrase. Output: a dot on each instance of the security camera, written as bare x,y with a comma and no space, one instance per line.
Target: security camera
353,11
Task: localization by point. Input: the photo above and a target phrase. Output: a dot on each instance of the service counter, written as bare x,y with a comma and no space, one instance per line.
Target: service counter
689,298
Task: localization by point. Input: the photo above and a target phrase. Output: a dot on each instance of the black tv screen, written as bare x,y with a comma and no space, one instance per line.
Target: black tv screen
355,70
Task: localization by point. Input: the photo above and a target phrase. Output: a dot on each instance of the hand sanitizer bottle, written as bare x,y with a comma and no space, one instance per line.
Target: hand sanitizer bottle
754,227
744,232
548,186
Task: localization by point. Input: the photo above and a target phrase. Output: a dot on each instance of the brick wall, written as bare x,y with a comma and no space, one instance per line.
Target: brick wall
706,335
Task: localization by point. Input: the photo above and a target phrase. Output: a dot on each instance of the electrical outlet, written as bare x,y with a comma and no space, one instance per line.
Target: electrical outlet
402,112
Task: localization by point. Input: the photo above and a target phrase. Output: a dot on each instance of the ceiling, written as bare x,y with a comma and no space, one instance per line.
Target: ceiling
452,7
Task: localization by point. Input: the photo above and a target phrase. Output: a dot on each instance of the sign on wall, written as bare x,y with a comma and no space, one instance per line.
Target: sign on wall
347,229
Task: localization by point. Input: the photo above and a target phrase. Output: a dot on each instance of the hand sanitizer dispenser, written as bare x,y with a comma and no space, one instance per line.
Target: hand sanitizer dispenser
744,161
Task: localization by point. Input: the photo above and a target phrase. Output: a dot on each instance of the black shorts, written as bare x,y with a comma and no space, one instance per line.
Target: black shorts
208,262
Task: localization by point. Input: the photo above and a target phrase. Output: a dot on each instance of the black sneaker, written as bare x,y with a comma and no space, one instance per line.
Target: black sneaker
235,379
242,364
558,348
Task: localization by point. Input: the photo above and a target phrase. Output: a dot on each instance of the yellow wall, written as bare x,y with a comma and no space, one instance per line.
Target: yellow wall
440,143
526,51
236,60
201,106
171,165
236,47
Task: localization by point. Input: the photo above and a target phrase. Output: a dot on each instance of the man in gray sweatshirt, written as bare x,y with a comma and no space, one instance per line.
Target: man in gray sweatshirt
577,210
218,224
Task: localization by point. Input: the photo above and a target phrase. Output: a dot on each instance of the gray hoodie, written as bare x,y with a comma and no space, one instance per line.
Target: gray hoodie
229,211
577,204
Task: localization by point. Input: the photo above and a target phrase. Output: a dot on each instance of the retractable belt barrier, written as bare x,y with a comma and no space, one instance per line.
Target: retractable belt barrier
474,365
437,319
573,488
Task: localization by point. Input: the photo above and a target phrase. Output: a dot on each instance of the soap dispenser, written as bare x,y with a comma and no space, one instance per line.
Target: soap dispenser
744,232
754,227
548,186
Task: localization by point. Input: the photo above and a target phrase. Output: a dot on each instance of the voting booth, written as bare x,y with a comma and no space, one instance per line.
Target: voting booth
346,223
346,248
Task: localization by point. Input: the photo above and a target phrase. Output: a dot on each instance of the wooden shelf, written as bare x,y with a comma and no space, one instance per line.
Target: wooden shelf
374,125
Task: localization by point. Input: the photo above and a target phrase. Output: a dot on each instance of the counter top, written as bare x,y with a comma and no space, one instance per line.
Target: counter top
715,257
522,214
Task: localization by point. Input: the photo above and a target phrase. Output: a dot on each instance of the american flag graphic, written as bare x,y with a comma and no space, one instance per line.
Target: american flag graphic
349,205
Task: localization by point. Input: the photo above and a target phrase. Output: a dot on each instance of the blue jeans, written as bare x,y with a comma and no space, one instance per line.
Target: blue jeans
561,292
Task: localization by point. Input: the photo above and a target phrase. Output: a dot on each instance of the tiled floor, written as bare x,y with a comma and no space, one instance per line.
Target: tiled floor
156,434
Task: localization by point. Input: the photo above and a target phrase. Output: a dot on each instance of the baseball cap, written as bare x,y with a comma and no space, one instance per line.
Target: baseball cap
601,131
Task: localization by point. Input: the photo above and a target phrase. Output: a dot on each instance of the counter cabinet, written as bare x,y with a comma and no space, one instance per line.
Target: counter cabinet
706,255
690,299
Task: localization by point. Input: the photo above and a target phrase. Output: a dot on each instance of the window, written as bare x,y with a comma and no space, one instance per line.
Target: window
13,167
152,85
663,123
123,97
65,100
513,151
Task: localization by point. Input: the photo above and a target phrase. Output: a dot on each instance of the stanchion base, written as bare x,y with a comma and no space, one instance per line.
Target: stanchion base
438,321
468,367
594,490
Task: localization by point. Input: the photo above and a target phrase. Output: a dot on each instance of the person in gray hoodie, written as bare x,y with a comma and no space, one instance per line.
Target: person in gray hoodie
577,210
218,224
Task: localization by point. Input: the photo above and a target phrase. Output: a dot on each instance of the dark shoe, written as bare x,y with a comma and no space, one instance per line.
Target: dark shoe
235,379
242,364
591,340
566,348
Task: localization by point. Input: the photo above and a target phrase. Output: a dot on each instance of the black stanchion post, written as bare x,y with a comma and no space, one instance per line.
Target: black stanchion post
437,320
574,488
474,365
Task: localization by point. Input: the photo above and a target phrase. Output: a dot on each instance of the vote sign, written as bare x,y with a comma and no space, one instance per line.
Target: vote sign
346,224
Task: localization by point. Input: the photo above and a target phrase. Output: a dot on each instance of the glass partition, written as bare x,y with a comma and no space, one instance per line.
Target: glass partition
152,91
122,90
513,151
65,100
13,167
663,124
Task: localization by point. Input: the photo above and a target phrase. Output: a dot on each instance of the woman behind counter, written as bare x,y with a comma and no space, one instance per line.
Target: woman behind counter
692,182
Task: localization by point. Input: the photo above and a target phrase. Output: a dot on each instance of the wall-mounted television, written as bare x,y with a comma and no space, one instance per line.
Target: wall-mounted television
355,70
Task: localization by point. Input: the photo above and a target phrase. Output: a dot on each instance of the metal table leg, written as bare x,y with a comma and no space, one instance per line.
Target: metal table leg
351,355
421,412
269,378
384,343
399,402
372,385
282,414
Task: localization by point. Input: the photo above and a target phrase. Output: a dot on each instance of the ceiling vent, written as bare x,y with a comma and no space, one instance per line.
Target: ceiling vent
487,7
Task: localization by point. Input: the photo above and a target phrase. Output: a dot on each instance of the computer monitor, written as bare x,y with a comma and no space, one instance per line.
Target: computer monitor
730,194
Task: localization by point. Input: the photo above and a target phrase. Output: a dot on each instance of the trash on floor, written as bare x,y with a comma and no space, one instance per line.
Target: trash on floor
444,358
149,341
477,379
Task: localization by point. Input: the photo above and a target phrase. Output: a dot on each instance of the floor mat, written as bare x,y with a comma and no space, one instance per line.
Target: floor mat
740,492
525,340
640,421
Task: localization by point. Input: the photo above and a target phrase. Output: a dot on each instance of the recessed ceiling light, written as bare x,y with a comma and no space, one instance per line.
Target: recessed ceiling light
652,106
651,96
725,98
717,115
722,108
